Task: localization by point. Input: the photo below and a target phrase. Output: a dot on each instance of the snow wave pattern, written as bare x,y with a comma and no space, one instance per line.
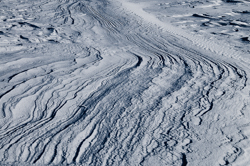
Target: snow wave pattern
82,84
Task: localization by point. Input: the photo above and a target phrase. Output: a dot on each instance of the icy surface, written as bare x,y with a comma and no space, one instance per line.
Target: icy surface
124,82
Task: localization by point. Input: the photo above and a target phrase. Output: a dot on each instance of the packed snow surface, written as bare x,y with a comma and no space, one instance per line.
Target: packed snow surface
124,82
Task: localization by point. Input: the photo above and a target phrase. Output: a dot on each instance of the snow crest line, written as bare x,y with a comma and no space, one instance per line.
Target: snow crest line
214,46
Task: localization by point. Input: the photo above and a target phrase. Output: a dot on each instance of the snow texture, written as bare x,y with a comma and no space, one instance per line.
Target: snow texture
124,82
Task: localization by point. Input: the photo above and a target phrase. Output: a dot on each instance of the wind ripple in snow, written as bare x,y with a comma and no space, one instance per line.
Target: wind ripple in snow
87,85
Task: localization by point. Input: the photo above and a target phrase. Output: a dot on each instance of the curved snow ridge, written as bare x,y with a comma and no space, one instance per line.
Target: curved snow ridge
212,45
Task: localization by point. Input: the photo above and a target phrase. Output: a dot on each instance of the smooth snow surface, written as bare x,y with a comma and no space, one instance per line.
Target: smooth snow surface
124,82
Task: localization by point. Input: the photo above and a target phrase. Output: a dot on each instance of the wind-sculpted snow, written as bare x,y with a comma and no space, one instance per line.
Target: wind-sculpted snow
92,83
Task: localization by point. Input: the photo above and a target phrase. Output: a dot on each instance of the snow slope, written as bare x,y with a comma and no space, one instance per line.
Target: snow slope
109,83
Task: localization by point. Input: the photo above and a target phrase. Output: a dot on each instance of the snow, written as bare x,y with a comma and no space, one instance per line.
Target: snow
128,82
